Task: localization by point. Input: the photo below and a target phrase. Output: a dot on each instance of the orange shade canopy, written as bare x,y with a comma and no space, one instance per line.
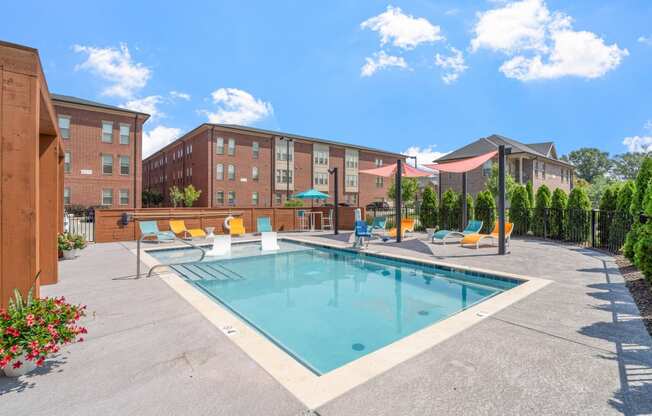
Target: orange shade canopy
464,165
390,170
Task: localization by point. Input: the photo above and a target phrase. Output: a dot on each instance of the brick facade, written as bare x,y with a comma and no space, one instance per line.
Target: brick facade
206,153
84,179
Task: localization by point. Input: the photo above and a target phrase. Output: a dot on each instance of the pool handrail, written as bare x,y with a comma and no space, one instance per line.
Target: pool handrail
151,269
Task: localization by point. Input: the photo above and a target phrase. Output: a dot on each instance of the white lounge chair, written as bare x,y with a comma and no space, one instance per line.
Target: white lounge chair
221,246
268,241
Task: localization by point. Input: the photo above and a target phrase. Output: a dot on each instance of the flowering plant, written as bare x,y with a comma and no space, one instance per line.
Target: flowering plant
63,242
77,240
34,328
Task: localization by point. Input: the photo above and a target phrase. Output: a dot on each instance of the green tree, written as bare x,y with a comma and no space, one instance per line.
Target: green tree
589,163
626,166
530,193
469,210
635,209
485,210
429,209
492,183
152,198
447,209
579,215
622,220
607,207
595,189
409,189
176,196
558,212
541,210
190,195
293,203
643,245
520,210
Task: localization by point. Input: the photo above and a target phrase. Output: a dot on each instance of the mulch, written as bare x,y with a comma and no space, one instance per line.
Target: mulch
639,287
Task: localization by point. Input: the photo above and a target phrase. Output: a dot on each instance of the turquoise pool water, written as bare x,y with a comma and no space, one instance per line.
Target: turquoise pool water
329,307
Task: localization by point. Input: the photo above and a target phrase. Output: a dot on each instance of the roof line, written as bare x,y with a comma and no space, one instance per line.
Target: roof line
81,101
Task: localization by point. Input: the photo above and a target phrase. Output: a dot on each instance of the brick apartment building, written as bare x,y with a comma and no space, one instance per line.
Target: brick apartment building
103,152
536,162
248,167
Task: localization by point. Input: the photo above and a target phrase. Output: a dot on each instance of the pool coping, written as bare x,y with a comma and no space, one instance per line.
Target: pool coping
314,390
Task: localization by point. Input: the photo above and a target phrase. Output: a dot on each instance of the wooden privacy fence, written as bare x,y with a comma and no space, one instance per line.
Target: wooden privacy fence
109,225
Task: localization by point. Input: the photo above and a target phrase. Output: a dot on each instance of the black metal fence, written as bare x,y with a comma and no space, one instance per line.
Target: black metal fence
605,230
80,221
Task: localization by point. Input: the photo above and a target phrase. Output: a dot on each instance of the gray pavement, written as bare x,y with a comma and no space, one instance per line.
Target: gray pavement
576,346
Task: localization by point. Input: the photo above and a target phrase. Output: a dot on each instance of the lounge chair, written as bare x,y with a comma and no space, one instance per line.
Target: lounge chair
379,224
269,241
221,246
477,238
407,224
473,227
236,226
150,229
178,227
361,233
263,225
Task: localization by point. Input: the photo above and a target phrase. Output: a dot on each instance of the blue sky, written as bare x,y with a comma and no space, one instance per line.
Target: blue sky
399,75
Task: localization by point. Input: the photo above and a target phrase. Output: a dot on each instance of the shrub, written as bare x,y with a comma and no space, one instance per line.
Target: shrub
32,329
429,209
64,243
558,211
190,195
579,215
643,250
447,218
78,241
642,182
530,193
541,210
520,210
469,209
485,210
176,196
622,219
293,203
608,202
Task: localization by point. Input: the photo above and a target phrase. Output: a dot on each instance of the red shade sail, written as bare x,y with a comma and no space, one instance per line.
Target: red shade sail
464,165
390,170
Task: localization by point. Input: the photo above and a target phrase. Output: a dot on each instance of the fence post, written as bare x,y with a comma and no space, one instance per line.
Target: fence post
593,215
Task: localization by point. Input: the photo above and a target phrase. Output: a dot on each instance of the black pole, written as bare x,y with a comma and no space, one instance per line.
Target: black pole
397,198
501,200
336,228
464,207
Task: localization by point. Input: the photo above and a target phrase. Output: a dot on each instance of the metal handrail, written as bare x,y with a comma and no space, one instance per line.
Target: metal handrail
149,274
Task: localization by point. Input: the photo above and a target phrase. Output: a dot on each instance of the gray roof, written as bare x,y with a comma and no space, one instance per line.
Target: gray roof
488,144
81,101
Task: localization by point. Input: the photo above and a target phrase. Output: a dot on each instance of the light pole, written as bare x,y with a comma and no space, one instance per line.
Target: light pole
336,189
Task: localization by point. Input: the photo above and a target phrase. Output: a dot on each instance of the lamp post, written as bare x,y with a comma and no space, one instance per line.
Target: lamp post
336,189
502,153
397,199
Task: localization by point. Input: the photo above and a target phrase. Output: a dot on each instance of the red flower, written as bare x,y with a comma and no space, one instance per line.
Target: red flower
39,362
33,345
81,339
12,331
30,320
17,364
14,349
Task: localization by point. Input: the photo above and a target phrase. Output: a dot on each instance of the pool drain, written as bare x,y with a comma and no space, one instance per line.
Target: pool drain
358,347
423,313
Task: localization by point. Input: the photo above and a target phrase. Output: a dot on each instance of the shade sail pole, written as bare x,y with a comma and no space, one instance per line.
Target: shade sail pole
464,207
501,199
398,199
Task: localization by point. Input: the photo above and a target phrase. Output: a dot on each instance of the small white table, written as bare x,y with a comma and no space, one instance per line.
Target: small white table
209,232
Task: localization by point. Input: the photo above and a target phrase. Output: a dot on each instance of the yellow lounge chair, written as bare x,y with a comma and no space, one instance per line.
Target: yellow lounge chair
179,227
407,224
236,226
477,238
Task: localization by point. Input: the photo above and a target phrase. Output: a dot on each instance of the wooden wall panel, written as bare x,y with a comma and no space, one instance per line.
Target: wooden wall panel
49,204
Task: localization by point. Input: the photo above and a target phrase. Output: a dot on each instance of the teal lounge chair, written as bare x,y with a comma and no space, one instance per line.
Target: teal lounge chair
378,223
473,227
263,225
150,229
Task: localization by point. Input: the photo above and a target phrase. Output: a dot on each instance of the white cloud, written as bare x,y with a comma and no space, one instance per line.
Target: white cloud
148,105
116,66
402,30
425,155
453,65
158,137
180,95
381,60
638,144
648,125
236,106
452,12
646,40
541,44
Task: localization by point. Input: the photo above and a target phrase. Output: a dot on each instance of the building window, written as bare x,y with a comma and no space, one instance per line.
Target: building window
67,162
124,133
124,196
486,168
562,175
254,173
254,198
231,198
219,172
231,148
351,159
282,154
321,157
536,168
543,170
321,178
352,181
64,126
107,196
107,131
231,172
66,196
255,149
124,165
380,181
219,146
378,162
107,164
282,176
351,199
219,197
278,198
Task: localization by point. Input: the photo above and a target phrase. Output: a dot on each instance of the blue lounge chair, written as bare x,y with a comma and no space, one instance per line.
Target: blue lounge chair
378,223
263,225
361,232
473,227
150,229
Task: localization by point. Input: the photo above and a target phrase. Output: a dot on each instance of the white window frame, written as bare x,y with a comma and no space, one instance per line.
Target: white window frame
120,159
65,131
102,196
230,148
102,162
219,146
219,172
128,135
120,194
108,123
230,172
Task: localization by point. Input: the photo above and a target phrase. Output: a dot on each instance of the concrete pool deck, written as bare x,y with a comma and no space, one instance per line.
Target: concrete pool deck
576,346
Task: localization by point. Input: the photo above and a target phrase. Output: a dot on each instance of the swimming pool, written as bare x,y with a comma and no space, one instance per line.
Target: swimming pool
328,307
